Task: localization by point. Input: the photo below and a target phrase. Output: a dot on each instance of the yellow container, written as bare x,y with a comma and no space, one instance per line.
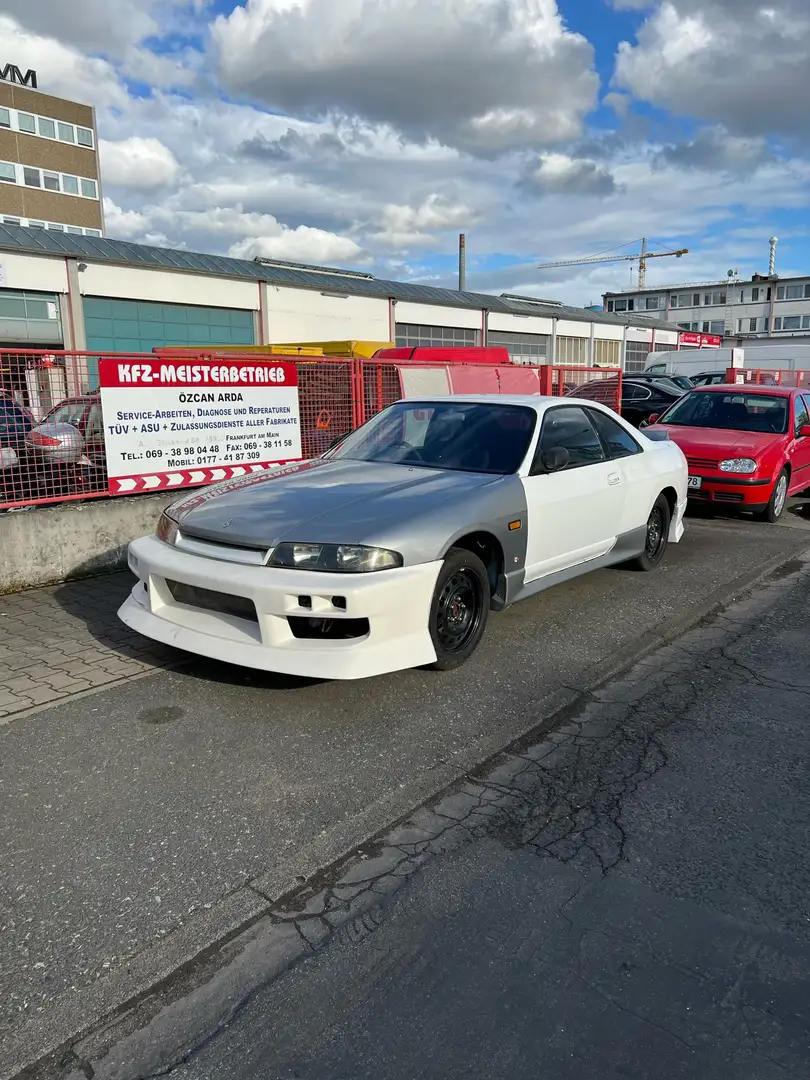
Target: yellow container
360,350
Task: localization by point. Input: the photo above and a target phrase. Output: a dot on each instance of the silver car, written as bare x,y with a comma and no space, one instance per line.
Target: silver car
391,550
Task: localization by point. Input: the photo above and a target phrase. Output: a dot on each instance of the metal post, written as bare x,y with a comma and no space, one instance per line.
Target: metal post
462,263
774,240
642,265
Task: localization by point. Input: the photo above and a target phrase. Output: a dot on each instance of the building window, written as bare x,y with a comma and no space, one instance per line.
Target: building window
635,355
411,336
752,326
8,174
89,189
742,296
47,128
686,300
50,181
652,303
36,224
31,178
754,295
572,351
70,185
793,292
607,353
55,228
714,299
11,221
73,230
523,348
788,322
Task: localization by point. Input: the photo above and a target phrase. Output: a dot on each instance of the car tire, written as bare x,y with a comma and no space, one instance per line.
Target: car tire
459,609
776,504
656,540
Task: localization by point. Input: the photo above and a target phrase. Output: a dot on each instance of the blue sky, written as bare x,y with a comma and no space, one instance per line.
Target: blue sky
370,133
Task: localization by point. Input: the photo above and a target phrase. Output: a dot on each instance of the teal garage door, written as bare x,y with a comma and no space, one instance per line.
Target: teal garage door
140,326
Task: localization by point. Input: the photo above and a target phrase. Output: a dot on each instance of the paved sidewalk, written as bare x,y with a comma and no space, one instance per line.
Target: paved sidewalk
58,642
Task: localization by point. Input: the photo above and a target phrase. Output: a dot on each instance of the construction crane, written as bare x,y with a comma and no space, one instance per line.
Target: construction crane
641,258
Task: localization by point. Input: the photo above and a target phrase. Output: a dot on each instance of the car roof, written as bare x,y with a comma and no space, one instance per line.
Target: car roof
740,388
532,401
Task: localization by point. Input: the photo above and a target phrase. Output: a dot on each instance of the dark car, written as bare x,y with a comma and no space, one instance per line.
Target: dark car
641,398
709,378
682,382
15,423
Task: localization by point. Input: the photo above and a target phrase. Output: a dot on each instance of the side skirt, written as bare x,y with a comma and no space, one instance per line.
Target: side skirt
627,547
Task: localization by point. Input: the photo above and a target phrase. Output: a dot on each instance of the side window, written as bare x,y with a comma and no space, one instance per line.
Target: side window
570,429
69,413
806,399
800,412
619,443
95,428
634,392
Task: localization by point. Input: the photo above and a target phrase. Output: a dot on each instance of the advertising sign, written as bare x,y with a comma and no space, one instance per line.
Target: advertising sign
175,424
701,341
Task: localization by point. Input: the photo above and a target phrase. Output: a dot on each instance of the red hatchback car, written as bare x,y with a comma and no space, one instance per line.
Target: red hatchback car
747,447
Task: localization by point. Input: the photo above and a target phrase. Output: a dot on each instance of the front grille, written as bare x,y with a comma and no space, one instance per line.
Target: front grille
729,496
192,596
328,629
703,463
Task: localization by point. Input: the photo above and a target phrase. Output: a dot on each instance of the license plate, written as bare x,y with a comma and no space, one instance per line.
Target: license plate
695,482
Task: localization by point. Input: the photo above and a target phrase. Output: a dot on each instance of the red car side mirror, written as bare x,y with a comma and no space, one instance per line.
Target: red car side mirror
804,432
650,420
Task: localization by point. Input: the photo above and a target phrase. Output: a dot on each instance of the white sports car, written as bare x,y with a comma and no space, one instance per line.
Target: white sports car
390,551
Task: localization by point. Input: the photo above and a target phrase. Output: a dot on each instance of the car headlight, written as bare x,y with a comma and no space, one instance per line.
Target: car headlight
337,558
738,465
167,530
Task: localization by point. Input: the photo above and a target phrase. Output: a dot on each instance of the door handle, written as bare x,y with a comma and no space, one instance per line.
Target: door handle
614,479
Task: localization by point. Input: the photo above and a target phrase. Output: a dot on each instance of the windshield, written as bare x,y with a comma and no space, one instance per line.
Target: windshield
458,435
765,413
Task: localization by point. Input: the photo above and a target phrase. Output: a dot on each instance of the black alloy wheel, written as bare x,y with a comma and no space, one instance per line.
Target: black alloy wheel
459,611
656,538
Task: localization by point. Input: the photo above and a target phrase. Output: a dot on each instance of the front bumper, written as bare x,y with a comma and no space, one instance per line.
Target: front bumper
396,604
747,493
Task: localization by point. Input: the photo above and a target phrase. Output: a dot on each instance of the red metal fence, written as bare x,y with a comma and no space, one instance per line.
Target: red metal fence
39,465
768,377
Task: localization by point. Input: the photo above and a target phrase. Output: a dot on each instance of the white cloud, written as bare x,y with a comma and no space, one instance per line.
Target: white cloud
138,164
302,244
742,63
559,173
62,70
106,26
418,226
485,75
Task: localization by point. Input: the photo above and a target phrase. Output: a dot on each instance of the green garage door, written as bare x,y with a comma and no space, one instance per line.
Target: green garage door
139,326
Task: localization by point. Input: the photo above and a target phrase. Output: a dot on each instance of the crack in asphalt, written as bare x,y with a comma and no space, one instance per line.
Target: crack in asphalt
562,798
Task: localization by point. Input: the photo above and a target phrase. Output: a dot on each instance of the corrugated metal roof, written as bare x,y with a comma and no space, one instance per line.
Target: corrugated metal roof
14,238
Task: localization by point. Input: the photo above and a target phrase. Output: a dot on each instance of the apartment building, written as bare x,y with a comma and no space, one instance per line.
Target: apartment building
763,307
49,171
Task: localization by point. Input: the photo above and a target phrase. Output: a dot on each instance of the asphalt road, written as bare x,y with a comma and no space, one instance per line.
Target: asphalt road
139,823
626,899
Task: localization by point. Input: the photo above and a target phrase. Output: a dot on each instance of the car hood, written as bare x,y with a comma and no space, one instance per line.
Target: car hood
719,442
322,501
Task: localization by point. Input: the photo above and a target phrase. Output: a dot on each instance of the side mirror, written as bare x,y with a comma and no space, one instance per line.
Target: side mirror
650,420
555,459
804,431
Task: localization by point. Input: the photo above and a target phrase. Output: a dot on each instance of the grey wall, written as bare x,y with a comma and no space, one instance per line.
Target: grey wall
48,545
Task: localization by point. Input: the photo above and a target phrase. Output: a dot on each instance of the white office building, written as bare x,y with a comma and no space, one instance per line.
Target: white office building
766,306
